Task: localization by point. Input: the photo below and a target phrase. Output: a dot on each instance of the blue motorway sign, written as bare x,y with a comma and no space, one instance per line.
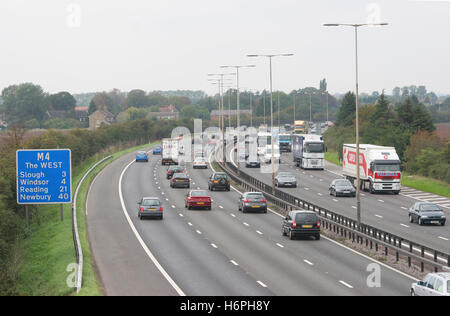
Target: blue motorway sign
44,176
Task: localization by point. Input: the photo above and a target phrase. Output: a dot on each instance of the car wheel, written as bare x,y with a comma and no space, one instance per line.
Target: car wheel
318,237
411,219
291,235
283,232
161,217
443,223
413,293
420,221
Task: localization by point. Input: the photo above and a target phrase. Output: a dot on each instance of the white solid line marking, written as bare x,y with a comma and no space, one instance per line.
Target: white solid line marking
280,245
234,262
308,262
141,241
443,238
404,225
214,246
260,283
259,232
346,284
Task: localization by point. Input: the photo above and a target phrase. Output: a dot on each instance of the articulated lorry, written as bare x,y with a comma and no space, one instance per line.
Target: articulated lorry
308,151
170,151
285,142
379,167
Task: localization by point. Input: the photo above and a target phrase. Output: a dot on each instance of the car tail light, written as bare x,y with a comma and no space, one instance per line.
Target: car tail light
318,224
142,209
246,201
161,209
263,201
294,224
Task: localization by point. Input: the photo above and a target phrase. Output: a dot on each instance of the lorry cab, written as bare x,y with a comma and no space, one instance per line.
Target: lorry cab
309,151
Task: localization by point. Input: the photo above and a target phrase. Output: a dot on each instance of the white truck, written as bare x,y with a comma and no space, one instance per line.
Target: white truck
170,151
379,167
308,151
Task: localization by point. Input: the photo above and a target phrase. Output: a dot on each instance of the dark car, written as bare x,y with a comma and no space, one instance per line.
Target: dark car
180,180
219,180
426,213
150,207
342,187
285,179
141,156
301,223
197,199
252,162
252,201
172,170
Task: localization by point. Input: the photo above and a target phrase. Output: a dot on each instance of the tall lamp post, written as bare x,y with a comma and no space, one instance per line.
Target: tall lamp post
271,110
238,102
358,188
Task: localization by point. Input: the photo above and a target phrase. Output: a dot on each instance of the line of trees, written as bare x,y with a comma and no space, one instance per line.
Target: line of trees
408,126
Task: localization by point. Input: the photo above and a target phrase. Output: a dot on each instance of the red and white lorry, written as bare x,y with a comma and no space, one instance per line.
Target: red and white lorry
379,167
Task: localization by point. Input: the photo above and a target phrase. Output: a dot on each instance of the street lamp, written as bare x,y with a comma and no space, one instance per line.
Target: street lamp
271,110
238,101
358,197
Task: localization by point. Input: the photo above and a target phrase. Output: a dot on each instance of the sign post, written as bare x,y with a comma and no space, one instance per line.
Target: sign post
44,176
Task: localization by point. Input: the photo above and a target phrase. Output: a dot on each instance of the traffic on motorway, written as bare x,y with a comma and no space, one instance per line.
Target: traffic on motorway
198,185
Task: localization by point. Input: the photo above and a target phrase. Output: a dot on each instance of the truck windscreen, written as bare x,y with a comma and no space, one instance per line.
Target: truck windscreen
284,137
314,148
387,167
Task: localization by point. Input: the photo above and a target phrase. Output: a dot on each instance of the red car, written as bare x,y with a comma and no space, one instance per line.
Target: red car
197,199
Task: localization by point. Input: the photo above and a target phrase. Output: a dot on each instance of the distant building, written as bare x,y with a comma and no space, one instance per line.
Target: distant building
55,114
100,117
215,114
165,113
82,114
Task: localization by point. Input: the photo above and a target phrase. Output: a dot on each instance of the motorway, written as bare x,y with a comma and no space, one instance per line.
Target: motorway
385,211
208,253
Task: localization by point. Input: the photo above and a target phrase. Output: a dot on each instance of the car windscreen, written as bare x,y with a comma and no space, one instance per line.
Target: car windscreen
199,193
342,183
151,203
305,217
285,175
284,137
429,208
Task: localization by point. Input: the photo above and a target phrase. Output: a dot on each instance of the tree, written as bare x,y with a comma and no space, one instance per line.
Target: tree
23,103
422,120
323,85
347,111
137,99
405,112
421,92
396,94
62,101
92,107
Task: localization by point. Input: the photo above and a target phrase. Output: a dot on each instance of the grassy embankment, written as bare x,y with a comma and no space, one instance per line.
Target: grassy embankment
49,249
413,181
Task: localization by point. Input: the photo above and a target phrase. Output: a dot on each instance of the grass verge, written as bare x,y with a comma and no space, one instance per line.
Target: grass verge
426,184
333,157
48,251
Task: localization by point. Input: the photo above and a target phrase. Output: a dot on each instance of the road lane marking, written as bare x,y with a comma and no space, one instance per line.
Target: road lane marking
404,225
234,262
379,216
280,245
346,284
141,241
190,224
246,224
320,194
381,201
258,232
220,206
214,246
233,215
260,283
308,262
443,238
181,215
335,200
198,232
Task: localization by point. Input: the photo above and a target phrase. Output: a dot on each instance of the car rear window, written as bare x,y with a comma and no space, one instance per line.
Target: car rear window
255,196
305,217
151,202
220,176
180,175
199,193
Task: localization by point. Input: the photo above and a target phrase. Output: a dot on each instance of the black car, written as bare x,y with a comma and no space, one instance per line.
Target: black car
285,179
301,223
426,213
180,180
150,207
219,180
252,162
172,170
342,187
252,202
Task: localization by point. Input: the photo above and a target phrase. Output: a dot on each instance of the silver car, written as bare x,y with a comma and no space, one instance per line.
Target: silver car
434,284
285,179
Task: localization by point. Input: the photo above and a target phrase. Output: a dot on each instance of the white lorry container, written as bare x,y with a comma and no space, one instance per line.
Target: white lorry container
170,151
379,167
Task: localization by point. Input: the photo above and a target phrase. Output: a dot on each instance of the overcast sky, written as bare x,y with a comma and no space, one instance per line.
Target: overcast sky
97,45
